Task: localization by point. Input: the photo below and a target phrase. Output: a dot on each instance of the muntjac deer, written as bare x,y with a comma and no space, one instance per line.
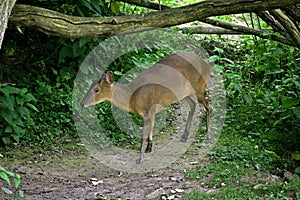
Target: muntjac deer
180,76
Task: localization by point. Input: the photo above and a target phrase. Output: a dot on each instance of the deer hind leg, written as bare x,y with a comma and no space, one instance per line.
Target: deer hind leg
153,111
149,146
204,102
192,105
207,110
147,133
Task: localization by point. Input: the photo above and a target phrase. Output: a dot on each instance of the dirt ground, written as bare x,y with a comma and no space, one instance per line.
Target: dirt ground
83,177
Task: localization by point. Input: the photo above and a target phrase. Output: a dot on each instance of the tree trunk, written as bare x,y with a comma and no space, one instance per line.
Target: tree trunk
54,23
5,9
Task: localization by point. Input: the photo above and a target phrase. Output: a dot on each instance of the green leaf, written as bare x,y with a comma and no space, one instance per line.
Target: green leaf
21,193
214,58
115,7
97,7
229,61
289,102
7,90
16,137
7,172
8,101
87,4
17,180
18,130
7,191
248,99
4,176
4,90
23,91
8,116
297,170
296,155
261,68
32,107
219,68
65,52
278,71
238,86
24,112
278,52
280,120
83,41
20,101
118,73
272,153
55,72
78,50
296,111
8,129
29,97
6,140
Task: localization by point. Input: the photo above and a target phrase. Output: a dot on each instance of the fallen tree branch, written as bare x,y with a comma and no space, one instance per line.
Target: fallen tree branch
208,30
229,28
271,21
247,30
54,23
293,12
288,24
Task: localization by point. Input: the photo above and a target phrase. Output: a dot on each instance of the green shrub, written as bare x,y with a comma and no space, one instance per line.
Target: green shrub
54,101
15,107
6,179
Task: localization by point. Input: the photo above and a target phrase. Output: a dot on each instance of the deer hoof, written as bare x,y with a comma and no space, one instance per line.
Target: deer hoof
139,161
185,136
183,139
148,150
149,147
207,141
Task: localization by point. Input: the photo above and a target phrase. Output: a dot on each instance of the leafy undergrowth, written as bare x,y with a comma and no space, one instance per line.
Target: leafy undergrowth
240,168
257,156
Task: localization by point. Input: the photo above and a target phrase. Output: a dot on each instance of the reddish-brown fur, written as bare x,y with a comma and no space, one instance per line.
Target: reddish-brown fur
178,76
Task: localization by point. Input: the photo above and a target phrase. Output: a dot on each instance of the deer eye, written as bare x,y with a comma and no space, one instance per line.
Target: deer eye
96,90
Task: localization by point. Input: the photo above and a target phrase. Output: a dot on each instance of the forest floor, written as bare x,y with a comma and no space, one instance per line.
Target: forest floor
83,177
79,176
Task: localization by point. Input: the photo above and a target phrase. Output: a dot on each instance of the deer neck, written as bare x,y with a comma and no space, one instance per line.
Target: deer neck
121,94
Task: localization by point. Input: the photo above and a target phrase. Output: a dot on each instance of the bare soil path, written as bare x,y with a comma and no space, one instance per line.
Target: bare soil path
83,177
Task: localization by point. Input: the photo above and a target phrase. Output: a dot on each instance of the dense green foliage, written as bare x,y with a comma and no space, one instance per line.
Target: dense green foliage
15,105
263,92
262,124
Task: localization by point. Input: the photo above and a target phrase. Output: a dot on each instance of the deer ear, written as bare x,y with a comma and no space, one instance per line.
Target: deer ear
110,77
